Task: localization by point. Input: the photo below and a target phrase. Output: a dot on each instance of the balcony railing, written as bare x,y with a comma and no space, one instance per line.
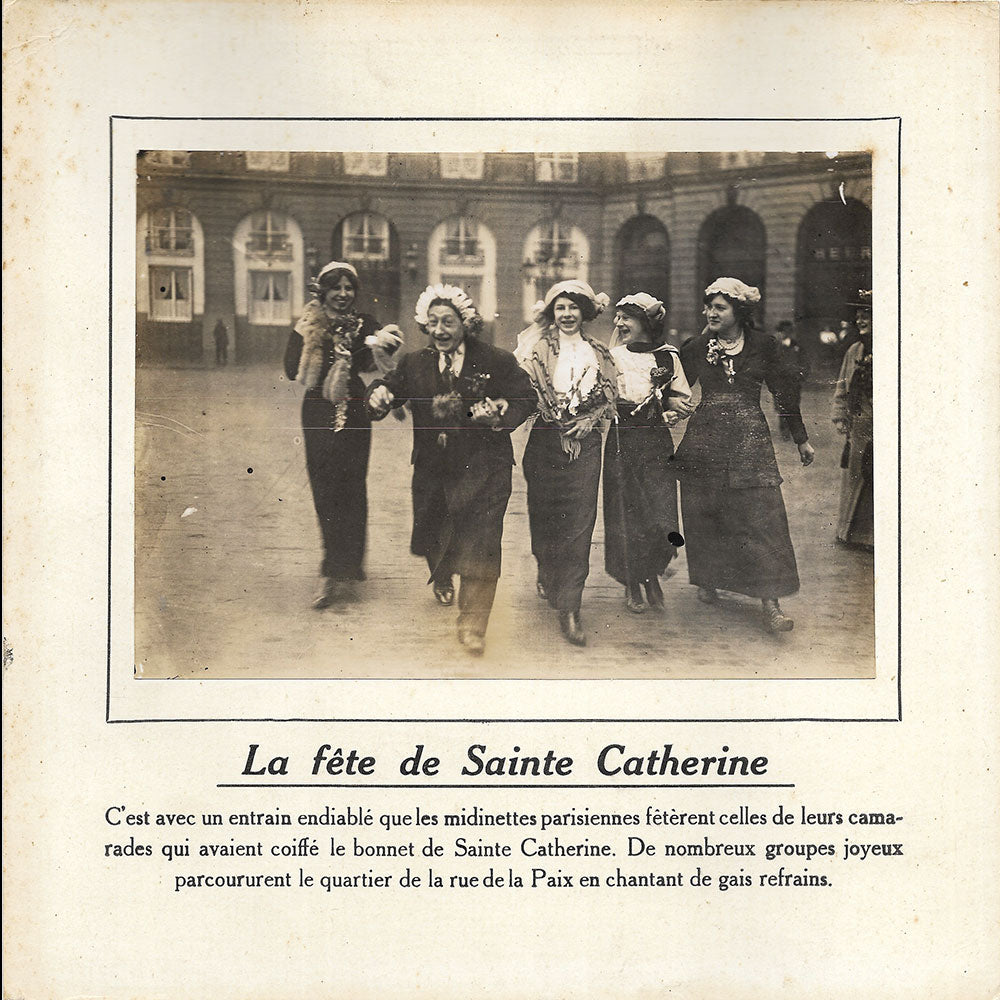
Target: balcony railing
462,252
275,245
178,242
553,251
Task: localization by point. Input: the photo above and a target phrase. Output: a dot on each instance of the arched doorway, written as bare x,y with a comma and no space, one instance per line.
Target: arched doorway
369,242
644,259
833,261
732,244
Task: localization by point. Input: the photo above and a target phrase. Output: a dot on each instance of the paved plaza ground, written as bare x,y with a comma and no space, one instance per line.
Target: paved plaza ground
227,554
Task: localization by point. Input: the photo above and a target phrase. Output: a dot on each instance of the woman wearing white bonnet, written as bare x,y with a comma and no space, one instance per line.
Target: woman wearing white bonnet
331,345
574,378
640,490
735,526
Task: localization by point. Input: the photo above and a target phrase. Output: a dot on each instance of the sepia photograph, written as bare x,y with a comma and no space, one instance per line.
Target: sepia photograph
533,415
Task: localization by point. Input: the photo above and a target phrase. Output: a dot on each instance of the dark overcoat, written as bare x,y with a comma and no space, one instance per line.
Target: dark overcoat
457,464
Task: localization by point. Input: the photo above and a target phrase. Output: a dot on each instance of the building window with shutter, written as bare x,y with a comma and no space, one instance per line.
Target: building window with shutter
461,243
270,298
277,162
170,293
645,166
366,237
167,158
462,166
170,231
269,236
366,164
556,167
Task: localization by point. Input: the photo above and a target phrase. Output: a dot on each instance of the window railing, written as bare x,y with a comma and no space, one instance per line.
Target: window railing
462,252
553,251
173,241
365,248
265,244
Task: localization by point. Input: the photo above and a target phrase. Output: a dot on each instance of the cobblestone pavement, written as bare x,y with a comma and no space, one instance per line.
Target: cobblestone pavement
227,551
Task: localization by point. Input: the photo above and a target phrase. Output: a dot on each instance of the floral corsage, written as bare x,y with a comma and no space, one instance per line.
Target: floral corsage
715,354
347,339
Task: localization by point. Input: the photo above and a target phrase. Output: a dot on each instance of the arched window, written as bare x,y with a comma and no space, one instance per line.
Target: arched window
553,251
732,244
644,258
269,269
368,241
365,237
462,251
170,266
833,261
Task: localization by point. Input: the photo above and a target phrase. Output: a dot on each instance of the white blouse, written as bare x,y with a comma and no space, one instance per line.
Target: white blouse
576,356
634,383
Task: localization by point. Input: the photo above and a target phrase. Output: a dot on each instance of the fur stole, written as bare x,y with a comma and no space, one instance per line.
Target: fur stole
319,333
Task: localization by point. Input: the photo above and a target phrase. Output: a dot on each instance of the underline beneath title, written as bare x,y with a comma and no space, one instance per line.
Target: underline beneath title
278,784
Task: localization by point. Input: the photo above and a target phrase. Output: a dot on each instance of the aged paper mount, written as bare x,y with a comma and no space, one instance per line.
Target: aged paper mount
80,79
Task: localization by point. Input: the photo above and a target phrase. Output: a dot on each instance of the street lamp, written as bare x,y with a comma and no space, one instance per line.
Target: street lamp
411,260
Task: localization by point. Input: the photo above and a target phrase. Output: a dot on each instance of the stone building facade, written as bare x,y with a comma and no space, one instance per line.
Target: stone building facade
236,236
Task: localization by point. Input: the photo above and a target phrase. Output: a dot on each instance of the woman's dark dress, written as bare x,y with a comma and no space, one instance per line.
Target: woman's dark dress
735,526
640,491
337,462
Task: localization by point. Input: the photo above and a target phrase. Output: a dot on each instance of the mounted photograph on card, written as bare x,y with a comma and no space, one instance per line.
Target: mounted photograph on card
508,414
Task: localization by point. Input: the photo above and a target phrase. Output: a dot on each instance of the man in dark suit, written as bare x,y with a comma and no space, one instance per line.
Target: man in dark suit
465,397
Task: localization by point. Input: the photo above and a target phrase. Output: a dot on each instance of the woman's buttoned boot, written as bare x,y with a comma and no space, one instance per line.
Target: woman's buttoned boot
327,593
634,600
654,595
775,619
569,622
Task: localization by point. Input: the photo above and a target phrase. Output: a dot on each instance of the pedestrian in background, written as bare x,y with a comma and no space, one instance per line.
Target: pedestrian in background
795,359
575,381
853,416
735,526
221,335
331,345
640,490
465,398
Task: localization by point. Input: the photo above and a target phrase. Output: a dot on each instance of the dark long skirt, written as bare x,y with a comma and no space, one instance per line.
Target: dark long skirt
640,502
337,463
737,539
562,511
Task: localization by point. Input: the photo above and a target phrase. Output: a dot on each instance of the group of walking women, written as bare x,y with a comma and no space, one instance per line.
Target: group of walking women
465,398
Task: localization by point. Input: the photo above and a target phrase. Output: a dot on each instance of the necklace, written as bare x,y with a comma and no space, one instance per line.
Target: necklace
732,347
729,352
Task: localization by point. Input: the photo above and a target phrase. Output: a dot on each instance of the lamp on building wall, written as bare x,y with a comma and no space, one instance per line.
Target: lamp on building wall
312,260
411,260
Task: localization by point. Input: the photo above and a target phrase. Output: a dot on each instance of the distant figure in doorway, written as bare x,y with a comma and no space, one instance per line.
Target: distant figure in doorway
221,335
